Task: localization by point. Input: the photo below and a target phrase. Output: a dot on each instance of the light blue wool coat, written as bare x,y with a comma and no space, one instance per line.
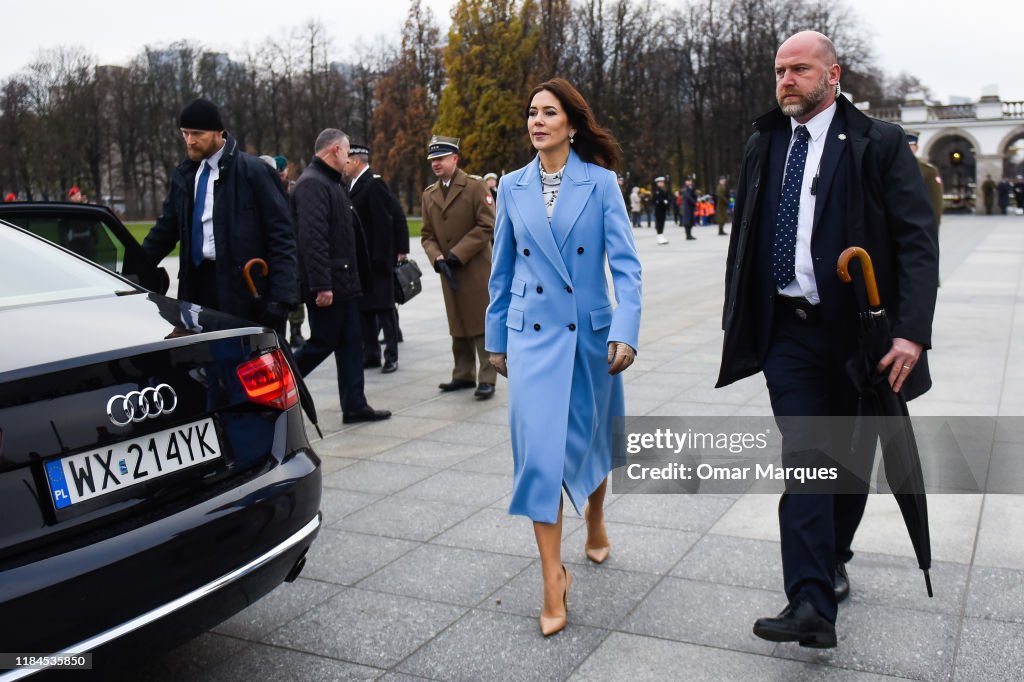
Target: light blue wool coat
550,311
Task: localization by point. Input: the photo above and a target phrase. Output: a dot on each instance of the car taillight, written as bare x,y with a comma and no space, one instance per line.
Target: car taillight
268,380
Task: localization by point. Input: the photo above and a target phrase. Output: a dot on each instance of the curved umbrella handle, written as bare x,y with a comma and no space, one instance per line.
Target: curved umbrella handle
865,265
246,271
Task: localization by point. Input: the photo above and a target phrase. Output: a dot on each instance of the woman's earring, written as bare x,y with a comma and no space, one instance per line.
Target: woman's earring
571,137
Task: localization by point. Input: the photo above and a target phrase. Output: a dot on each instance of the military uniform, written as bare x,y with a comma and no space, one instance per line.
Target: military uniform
933,181
459,222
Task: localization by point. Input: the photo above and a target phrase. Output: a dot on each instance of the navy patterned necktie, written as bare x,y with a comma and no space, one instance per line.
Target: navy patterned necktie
197,216
784,248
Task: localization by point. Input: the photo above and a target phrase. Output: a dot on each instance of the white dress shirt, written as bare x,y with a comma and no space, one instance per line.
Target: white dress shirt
209,248
804,284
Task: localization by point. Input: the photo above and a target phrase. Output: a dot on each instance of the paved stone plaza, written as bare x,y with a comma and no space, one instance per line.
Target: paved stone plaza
419,572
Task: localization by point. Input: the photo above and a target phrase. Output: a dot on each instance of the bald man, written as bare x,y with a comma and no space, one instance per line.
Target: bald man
817,166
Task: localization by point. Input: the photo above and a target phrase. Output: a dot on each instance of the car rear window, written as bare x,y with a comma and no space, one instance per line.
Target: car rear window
34,271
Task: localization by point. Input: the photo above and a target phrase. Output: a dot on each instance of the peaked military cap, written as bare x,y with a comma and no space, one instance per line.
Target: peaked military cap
442,146
912,136
358,149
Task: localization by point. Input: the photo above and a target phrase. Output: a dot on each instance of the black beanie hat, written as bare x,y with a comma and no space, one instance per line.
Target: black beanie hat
201,114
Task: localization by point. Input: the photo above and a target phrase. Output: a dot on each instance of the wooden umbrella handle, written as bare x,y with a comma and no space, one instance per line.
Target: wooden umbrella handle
843,271
247,271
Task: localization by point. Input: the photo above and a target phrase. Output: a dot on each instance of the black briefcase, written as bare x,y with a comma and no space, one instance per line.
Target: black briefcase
407,281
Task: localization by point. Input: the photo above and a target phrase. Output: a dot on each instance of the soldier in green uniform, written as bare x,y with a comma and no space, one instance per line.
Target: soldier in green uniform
988,191
932,179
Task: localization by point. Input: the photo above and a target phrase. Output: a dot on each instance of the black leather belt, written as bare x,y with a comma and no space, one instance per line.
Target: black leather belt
797,309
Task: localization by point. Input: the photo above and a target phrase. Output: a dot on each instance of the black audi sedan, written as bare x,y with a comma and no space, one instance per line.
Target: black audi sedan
155,476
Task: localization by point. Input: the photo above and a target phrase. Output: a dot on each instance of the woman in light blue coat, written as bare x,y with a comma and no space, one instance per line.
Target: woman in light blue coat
552,329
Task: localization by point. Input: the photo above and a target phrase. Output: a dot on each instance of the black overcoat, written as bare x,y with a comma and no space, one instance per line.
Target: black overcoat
387,235
250,220
870,194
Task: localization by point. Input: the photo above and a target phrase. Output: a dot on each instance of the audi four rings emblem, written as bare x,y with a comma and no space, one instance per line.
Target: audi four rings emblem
136,406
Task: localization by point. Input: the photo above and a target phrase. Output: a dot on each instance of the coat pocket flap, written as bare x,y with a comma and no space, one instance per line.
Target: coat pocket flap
514,320
518,287
601,317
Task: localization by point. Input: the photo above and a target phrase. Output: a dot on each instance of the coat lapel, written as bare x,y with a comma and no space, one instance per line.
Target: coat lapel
572,197
836,141
528,199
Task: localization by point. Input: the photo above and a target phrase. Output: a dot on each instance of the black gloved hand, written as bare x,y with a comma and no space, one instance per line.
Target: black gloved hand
446,271
274,315
453,261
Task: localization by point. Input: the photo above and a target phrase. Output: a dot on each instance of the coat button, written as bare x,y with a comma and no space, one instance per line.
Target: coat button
536,327
540,290
526,252
569,289
579,250
572,327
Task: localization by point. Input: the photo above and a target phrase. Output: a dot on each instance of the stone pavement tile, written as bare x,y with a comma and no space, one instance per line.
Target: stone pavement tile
648,659
494,414
345,558
735,394
354,444
599,597
402,677
371,476
953,520
728,560
440,408
495,530
1003,518
446,574
754,516
331,463
990,650
888,641
635,548
639,390
194,660
897,582
996,593
370,628
485,645
496,460
461,487
695,513
429,453
400,426
336,504
406,518
470,433
274,664
287,601
679,408
701,613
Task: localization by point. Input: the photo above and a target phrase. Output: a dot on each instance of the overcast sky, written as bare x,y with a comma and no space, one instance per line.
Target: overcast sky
954,48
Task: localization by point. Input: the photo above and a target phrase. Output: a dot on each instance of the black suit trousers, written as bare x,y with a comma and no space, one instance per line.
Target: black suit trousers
806,382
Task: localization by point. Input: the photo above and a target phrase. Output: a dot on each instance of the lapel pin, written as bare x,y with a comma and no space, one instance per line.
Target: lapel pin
842,136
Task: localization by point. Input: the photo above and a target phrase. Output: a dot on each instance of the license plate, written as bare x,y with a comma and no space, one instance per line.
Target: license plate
81,477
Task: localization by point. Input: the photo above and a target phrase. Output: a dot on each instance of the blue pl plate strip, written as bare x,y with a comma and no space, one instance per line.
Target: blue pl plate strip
58,486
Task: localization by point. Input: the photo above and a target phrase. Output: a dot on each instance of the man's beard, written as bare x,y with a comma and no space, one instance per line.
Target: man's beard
807,102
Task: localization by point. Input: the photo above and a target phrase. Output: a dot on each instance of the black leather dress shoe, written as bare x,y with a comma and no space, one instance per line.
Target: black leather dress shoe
389,367
798,623
457,384
367,414
841,583
484,391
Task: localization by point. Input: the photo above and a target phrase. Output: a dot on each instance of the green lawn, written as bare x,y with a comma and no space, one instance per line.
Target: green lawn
140,229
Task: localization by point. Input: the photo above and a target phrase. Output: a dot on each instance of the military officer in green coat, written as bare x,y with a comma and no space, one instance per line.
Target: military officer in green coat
932,179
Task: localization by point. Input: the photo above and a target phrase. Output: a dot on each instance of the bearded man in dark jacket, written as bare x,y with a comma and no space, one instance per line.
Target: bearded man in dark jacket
819,176
241,215
333,269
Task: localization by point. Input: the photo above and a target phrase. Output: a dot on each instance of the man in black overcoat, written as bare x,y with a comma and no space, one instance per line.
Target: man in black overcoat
819,176
387,239
241,215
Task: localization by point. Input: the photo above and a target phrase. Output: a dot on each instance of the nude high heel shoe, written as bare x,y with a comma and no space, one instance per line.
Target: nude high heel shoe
549,625
596,554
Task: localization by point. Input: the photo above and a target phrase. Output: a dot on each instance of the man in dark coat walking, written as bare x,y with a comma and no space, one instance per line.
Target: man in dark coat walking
387,237
332,263
225,209
819,176
662,200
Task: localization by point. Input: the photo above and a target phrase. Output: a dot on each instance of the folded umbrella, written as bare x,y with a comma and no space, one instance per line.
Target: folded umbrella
879,404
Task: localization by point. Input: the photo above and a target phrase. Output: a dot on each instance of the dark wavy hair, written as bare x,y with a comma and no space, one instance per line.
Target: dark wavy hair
593,143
